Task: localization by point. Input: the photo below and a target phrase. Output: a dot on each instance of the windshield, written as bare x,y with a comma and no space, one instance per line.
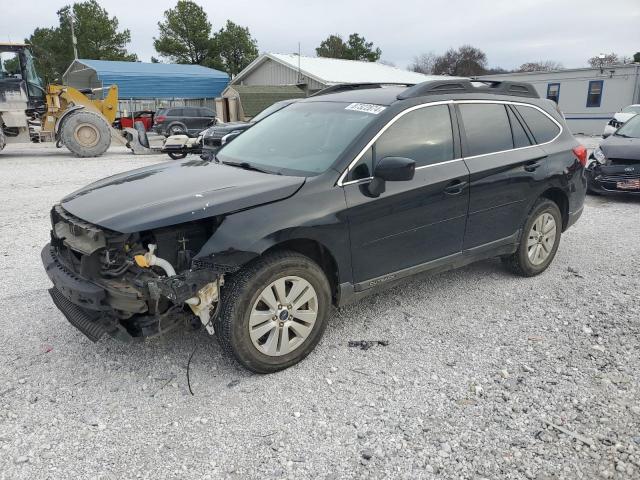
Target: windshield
631,129
631,109
272,109
302,139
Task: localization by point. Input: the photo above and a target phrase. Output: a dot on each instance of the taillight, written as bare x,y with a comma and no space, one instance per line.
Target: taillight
581,154
160,119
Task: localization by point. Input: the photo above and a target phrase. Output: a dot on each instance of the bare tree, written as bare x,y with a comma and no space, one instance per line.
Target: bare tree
467,61
541,66
423,63
604,60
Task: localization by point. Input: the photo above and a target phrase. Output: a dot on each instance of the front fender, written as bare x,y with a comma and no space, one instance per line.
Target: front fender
245,235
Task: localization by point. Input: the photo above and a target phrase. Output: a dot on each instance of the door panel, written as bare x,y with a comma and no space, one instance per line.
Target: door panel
410,223
501,186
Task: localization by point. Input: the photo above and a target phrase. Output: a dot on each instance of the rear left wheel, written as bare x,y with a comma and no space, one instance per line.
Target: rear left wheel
177,156
539,242
274,311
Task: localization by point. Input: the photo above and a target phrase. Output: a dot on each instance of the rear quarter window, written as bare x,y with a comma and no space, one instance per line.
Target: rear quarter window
542,127
175,112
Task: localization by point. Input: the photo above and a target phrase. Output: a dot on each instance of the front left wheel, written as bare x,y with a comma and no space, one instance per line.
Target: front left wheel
274,311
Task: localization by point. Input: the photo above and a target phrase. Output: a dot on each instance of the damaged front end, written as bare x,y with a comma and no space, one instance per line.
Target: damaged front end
131,285
614,176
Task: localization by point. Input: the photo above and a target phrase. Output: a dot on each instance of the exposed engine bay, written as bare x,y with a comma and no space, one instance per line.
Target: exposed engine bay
138,284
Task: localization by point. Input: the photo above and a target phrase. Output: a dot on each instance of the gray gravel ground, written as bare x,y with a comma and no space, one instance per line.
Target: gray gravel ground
477,362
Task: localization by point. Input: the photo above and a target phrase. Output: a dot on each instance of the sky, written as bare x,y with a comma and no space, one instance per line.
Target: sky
510,32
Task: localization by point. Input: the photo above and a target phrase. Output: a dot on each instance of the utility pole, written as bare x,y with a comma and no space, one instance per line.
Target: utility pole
74,41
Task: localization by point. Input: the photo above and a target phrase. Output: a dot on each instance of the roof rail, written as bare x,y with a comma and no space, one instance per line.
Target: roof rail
343,87
476,85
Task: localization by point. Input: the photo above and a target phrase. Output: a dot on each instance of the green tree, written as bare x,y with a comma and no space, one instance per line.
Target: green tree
97,36
332,47
636,57
232,49
355,48
359,49
184,34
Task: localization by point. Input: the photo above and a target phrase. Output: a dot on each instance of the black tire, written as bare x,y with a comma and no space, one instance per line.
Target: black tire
176,129
85,134
3,140
240,293
519,262
177,156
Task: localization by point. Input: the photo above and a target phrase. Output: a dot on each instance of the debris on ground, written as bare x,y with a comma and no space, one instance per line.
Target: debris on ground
367,344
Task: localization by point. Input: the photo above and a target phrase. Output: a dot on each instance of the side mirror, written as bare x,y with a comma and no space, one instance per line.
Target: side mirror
228,137
395,169
391,169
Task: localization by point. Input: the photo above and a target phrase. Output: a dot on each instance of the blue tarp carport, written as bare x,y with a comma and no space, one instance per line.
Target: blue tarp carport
139,80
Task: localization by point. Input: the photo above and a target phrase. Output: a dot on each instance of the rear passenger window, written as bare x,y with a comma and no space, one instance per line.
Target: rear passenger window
175,112
542,127
486,127
191,112
423,135
520,137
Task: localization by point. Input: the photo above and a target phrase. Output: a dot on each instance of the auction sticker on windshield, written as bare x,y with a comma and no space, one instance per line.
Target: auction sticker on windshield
366,107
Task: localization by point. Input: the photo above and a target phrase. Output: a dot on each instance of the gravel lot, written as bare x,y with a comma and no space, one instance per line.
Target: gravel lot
477,362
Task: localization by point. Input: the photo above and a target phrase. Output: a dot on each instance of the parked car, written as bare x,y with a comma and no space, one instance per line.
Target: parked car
182,120
615,165
320,204
620,118
213,137
144,116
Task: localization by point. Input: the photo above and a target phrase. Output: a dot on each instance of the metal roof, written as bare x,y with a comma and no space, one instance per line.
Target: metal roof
140,80
330,71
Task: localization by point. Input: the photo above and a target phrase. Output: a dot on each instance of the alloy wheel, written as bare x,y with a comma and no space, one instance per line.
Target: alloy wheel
283,316
542,237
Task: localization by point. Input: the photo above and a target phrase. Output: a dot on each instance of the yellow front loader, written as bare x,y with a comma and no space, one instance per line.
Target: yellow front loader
60,113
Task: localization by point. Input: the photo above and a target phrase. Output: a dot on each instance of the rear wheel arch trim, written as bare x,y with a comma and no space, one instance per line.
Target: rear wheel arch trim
561,199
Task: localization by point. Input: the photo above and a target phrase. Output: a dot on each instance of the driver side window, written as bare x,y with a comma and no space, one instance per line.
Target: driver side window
424,135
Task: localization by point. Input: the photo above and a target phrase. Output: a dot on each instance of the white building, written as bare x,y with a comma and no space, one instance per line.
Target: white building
272,77
317,73
588,97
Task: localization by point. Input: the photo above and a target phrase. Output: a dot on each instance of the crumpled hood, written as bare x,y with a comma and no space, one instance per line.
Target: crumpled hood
621,147
175,192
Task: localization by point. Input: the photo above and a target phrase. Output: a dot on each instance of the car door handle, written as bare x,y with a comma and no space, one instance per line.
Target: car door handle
533,165
455,187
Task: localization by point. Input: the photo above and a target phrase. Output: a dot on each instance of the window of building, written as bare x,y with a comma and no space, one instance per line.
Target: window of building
553,92
542,127
486,127
594,94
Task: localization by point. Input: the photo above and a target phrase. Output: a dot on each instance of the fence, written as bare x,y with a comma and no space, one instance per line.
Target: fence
127,107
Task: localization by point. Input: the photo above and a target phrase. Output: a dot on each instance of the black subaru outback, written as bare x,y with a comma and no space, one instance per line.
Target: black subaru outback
320,204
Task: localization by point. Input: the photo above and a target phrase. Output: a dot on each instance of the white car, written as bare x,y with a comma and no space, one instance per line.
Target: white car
620,118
